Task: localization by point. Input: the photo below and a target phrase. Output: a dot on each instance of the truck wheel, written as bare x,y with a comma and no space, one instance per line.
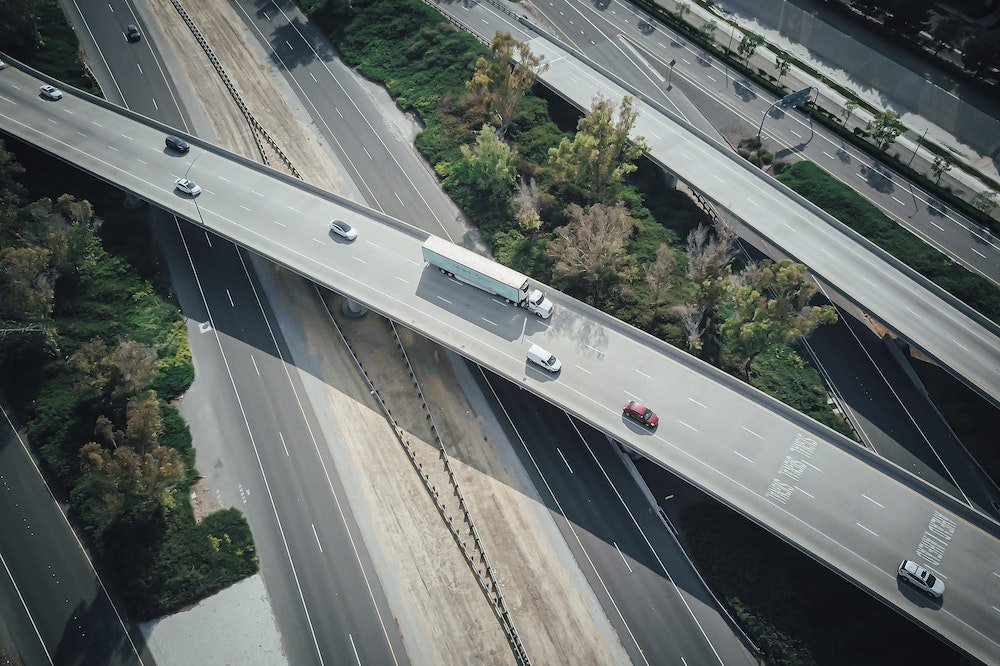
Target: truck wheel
507,301
539,315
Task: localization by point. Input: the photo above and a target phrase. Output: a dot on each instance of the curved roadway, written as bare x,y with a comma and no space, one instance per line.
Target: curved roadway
845,507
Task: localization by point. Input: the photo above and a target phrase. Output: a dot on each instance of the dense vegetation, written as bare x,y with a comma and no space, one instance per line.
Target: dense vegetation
538,193
91,359
777,594
37,33
858,213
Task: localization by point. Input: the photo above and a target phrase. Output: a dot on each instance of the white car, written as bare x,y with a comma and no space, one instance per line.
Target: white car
343,229
50,92
921,578
188,186
3,65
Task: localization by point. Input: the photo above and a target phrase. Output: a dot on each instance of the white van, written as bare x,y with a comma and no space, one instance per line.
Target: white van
539,356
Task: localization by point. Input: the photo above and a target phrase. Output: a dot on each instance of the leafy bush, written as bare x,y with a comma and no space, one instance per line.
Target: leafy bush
855,211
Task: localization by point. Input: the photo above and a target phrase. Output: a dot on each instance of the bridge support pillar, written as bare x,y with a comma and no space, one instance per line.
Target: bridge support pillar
353,308
131,201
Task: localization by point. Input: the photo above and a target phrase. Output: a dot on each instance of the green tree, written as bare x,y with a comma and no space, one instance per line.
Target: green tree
26,284
526,204
848,110
748,45
601,154
885,126
985,201
707,30
770,306
710,258
783,66
589,252
940,166
948,31
114,374
681,10
659,275
485,172
981,51
19,21
500,82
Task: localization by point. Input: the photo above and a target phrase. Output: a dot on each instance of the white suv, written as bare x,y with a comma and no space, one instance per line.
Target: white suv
921,578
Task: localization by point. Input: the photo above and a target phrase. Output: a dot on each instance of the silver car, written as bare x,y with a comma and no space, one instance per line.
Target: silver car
50,92
343,229
921,578
188,186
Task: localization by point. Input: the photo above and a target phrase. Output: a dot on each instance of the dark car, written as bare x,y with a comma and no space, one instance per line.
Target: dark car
640,413
177,143
132,33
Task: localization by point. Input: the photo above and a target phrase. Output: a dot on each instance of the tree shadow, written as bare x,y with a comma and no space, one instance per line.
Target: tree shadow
743,90
878,178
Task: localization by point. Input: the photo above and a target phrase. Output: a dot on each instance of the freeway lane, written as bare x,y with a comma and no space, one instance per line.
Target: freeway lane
51,598
842,505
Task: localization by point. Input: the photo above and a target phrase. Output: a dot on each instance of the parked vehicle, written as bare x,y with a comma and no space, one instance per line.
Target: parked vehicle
640,413
539,356
482,273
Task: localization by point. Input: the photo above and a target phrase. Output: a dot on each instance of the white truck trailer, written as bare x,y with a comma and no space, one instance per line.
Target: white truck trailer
471,268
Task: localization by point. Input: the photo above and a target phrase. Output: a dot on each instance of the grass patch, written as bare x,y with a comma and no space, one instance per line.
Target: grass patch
855,211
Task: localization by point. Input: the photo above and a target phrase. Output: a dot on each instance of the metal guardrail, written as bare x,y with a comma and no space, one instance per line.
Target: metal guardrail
474,554
256,129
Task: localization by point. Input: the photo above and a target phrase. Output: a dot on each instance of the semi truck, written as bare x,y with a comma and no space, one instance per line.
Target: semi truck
468,267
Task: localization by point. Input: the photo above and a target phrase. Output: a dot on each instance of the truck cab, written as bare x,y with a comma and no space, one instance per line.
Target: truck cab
537,303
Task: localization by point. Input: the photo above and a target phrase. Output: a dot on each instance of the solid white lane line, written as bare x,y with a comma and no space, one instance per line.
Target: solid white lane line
872,501
743,456
565,461
317,537
752,432
622,556
282,438
26,611
254,361
353,647
698,403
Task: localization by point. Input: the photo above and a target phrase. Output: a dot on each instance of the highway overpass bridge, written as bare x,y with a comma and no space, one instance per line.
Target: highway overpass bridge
847,508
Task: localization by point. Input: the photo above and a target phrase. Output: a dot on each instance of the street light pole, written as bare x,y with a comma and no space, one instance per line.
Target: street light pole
670,74
729,52
764,117
917,146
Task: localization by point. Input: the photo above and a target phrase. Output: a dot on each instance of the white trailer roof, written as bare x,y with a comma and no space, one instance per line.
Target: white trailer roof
476,262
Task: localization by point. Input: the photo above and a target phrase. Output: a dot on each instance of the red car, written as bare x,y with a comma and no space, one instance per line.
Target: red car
640,413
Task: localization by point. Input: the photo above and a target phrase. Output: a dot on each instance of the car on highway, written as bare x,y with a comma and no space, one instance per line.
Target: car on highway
177,143
640,413
50,92
188,186
541,357
921,578
343,229
132,33
3,65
